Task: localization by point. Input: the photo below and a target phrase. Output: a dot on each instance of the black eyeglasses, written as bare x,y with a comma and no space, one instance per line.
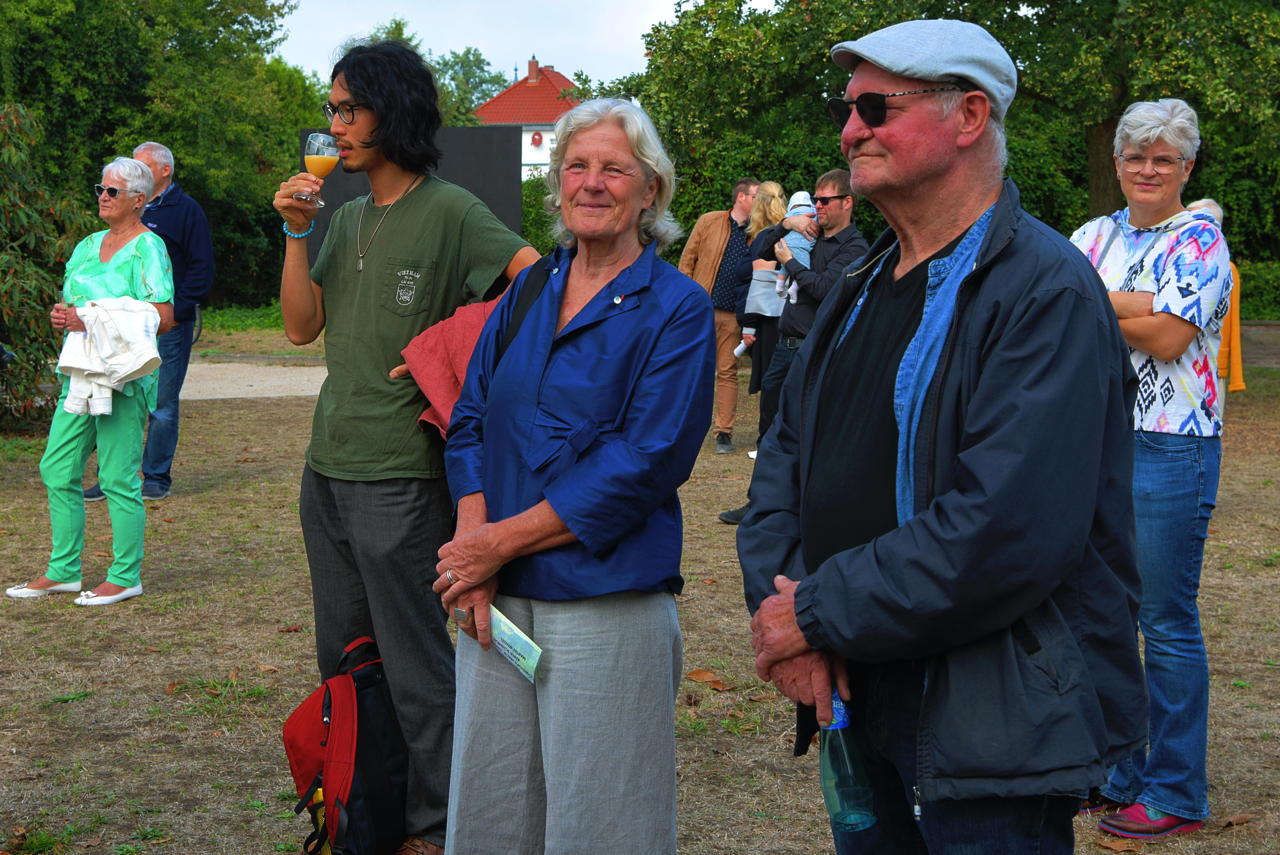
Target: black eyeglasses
827,200
345,111
871,107
113,192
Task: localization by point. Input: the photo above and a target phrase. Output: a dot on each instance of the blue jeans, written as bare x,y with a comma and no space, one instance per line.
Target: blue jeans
884,713
162,427
1175,487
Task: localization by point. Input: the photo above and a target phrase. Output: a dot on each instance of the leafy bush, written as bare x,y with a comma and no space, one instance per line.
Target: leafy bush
37,234
1259,290
535,222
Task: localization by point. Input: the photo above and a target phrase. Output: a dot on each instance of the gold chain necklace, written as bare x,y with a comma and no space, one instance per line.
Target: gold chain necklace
360,253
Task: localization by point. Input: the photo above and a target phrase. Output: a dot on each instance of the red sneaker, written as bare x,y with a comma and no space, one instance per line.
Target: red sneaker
1137,821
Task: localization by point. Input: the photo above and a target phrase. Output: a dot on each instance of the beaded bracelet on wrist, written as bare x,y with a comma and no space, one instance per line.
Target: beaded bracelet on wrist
285,228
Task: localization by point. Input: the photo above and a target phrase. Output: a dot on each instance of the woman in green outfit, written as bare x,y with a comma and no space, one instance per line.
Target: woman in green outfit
125,260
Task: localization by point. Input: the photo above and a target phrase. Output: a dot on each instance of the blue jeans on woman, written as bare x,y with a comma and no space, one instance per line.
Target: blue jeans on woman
1175,487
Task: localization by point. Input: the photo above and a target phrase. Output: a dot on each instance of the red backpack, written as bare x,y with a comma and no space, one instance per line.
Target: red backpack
344,740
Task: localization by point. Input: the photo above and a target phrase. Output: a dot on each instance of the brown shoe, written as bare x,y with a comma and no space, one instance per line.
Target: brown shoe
418,846
1100,804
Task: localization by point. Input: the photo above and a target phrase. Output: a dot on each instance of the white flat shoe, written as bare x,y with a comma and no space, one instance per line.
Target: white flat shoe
22,592
89,598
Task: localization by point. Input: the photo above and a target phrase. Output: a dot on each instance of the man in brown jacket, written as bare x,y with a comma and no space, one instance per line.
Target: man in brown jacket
717,257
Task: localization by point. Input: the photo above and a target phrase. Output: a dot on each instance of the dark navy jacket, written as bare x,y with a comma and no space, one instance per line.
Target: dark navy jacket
1015,581
180,221
604,420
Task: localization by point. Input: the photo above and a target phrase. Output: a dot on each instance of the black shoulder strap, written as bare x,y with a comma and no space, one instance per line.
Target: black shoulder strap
529,293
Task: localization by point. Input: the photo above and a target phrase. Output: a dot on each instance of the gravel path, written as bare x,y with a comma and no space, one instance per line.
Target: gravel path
274,377
207,380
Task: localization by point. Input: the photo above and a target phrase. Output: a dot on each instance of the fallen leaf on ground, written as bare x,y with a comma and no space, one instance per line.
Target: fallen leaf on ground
764,697
701,675
103,537
233,674
102,554
708,581
1120,845
294,628
151,649
171,688
1237,819
268,669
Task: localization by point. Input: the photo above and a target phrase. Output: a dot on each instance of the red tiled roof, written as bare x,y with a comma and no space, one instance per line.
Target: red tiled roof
532,100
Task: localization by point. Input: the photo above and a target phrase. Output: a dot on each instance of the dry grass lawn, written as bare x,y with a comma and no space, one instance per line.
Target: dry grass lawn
153,726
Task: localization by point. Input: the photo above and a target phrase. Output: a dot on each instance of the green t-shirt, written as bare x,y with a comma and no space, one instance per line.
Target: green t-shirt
140,269
437,249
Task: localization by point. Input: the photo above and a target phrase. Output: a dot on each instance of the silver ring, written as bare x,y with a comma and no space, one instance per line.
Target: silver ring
448,574
461,615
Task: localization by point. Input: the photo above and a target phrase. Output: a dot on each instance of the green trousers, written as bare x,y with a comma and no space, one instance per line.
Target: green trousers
118,438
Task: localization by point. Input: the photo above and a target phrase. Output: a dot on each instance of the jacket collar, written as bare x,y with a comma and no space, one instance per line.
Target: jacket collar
622,294
168,197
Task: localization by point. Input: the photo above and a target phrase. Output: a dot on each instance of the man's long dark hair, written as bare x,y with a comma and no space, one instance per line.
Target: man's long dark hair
395,82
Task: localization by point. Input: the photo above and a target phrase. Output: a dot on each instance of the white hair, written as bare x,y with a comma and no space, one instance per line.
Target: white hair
1169,119
949,101
159,153
136,176
656,223
1208,205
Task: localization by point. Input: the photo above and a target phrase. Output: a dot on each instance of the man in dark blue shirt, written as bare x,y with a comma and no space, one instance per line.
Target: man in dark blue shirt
181,222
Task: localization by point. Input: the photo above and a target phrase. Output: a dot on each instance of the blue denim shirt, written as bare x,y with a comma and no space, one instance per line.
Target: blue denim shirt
603,419
920,359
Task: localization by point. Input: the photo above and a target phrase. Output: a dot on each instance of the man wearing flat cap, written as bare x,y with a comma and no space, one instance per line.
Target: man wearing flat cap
940,520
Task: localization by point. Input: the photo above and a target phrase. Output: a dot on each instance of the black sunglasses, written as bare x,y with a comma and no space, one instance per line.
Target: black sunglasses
827,200
871,107
111,191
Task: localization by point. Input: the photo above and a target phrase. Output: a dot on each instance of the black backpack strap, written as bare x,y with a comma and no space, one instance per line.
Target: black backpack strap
534,282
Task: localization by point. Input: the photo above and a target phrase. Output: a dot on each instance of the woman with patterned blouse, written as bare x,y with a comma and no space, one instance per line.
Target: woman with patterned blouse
1169,276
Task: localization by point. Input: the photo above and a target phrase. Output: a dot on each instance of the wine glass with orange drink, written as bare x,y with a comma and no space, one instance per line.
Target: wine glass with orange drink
320,157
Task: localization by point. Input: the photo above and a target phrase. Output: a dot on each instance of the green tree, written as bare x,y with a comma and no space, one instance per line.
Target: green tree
37,233
104,76
758,80
465,81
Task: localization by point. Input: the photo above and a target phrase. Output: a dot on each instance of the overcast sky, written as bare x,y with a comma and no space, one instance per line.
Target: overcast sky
601,39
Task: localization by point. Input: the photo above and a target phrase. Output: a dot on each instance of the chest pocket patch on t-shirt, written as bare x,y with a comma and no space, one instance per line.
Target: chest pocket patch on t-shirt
407,284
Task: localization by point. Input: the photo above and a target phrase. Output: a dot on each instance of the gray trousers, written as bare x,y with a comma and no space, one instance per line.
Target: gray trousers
372,550
583,760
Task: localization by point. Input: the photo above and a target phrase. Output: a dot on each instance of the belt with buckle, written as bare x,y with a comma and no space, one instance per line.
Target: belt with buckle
792,342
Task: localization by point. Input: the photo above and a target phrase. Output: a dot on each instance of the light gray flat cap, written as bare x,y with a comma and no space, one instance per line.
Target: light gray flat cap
938,50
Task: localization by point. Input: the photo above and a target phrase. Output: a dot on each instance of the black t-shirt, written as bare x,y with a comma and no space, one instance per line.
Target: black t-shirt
850,494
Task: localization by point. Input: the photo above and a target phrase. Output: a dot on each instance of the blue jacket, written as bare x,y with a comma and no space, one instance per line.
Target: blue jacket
603,420
180,221
1013,575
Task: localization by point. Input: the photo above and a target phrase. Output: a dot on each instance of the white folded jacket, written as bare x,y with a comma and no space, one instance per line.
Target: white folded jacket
118,345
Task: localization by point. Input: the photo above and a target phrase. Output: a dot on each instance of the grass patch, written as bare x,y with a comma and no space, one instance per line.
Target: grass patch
243,318
191,683
15,448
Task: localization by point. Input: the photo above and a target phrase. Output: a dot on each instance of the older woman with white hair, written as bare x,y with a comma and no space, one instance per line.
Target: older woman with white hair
1168,273
125,260
576,425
